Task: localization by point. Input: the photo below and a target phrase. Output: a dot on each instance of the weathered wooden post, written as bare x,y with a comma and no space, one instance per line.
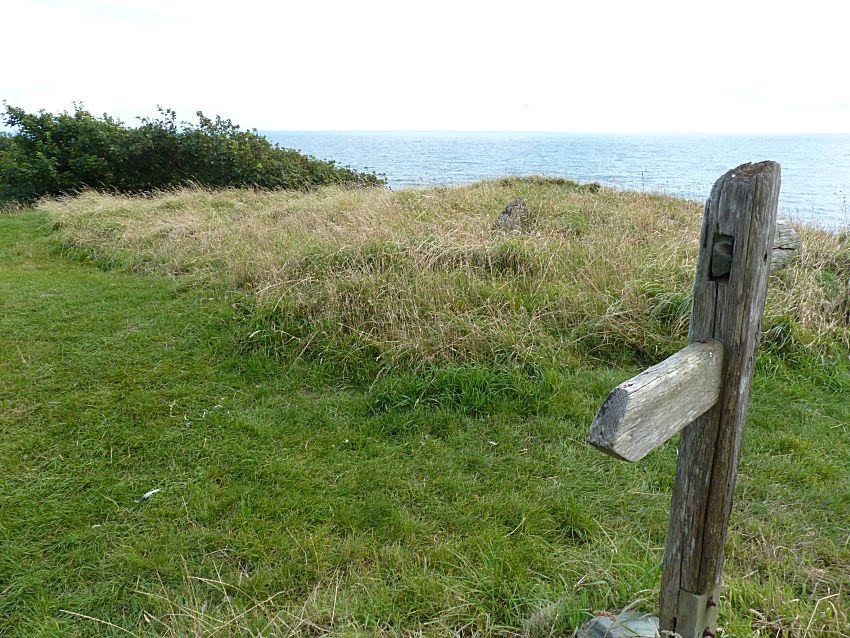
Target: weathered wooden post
704,391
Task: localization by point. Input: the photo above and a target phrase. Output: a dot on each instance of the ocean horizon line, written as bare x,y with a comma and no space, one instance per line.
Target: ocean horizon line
547,132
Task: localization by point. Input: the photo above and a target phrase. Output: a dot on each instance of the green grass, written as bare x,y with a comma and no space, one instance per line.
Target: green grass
455,499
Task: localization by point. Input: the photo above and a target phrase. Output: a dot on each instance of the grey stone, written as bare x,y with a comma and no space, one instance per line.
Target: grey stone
628,624
516,216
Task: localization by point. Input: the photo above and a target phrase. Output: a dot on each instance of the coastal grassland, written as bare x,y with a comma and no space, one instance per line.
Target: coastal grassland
420,277
366,412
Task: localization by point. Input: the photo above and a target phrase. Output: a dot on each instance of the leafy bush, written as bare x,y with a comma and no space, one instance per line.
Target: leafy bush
54,154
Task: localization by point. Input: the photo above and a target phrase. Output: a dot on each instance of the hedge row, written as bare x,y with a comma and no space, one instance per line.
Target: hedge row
49,154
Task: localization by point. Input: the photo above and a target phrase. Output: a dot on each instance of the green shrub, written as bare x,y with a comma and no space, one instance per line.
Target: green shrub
55,154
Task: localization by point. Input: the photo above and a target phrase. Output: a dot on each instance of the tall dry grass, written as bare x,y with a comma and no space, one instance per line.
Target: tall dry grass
420,275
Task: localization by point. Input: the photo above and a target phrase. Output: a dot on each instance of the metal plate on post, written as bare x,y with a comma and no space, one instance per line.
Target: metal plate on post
697,614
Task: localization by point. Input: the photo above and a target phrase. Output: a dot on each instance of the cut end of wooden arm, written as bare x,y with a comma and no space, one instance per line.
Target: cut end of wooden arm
608,420
645,411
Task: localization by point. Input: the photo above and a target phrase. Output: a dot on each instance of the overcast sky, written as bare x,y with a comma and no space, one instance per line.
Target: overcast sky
603,66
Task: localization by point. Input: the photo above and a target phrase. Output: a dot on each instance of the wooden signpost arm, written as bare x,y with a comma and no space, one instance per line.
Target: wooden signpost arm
642,413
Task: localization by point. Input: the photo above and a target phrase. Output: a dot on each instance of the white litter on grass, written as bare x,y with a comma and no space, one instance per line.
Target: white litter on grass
210,411
147,495
492,442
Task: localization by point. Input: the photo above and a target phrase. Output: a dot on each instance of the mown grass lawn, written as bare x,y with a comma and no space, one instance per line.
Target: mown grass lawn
293,503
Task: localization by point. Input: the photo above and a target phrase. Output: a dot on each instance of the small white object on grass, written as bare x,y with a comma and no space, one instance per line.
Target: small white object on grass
146,495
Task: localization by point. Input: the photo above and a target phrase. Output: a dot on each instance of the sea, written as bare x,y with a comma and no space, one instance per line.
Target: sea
815,168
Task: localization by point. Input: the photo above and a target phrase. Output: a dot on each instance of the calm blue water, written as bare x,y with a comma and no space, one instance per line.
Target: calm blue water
815,168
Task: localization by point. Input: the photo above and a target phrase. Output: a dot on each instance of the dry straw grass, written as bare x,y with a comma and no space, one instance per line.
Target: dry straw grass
421,275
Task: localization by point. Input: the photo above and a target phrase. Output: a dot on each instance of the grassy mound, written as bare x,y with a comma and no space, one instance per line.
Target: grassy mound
373,280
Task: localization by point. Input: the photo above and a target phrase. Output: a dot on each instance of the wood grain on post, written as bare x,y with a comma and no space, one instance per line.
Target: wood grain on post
729,293
645,411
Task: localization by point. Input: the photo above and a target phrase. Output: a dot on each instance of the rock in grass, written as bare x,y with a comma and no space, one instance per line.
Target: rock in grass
516,216
786,242
628,624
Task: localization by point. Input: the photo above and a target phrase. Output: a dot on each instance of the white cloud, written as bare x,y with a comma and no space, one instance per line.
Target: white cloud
328,64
